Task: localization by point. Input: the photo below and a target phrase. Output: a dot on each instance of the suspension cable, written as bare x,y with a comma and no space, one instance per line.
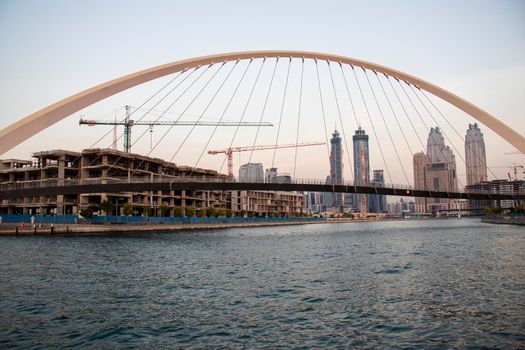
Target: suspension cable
358,123
453,128
422,121
282,110
323,113
387,128
443,132
405,111
187,107
372,124
263,109
205,109
298,116
166,110
166,95
220,119
111,130
242,116
394,113
341,120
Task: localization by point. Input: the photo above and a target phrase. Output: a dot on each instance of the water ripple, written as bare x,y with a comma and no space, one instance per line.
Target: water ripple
424,284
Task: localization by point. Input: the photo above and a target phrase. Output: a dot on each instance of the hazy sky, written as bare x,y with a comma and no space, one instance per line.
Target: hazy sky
52,49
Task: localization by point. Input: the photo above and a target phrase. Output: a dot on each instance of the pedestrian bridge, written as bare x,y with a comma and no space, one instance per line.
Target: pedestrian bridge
72,186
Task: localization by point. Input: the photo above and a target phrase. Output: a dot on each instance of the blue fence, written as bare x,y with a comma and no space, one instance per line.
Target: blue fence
71,219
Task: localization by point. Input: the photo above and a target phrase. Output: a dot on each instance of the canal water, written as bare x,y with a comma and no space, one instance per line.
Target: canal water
411,284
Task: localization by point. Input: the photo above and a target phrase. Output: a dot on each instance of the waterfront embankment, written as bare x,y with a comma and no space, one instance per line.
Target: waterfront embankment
7,229
504,220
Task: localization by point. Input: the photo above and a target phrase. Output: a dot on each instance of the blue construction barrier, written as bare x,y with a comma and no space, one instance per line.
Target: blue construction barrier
71,219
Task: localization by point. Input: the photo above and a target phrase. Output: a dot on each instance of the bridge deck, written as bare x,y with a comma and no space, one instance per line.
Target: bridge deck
31,189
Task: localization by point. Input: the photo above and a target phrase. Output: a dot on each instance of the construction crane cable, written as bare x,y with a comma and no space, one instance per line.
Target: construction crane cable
264,107
372,124
341,120
282,109
222,115
298,116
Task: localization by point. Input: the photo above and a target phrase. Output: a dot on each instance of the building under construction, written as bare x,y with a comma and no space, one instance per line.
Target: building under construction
99,165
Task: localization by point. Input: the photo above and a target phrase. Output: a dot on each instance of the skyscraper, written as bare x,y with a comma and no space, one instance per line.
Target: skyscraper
475,158
336,168
361,167
420,160
377,202
435,171
251,172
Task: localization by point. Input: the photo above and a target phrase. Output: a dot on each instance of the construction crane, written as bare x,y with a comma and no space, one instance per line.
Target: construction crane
514,167
229,151
128,123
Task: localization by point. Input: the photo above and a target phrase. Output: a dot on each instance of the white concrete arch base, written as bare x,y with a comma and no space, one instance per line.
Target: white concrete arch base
38,121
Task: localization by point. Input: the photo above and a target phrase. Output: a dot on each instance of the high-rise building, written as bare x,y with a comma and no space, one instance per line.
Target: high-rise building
475,158
272,176
361,167
420,160
251,172
435,171
377,202
336,168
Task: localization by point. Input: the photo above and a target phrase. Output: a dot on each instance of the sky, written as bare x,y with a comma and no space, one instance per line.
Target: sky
53,49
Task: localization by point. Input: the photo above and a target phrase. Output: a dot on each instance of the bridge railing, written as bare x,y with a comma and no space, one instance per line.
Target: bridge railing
28,184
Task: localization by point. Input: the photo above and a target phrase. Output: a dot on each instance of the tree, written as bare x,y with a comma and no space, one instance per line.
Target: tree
201,212
86,213
493,211
242,213
228,213
107,207
178,212
210,212
190,211
163,209
146,211
127,209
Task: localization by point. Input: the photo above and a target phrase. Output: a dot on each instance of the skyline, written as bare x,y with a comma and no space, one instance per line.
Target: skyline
509,55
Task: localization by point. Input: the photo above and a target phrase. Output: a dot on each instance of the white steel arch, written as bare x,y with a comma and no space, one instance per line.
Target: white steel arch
38,121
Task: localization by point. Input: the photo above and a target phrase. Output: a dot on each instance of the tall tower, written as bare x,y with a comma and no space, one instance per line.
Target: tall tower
361,166
420,160
439,172
377,202
336,167
475,158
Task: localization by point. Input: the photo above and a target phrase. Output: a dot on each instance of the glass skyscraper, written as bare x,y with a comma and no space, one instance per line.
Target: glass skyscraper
336,168
377,202
361,167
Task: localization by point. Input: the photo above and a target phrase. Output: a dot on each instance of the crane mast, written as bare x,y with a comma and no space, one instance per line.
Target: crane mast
128,123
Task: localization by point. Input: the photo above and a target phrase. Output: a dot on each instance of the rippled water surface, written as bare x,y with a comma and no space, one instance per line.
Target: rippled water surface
432,284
